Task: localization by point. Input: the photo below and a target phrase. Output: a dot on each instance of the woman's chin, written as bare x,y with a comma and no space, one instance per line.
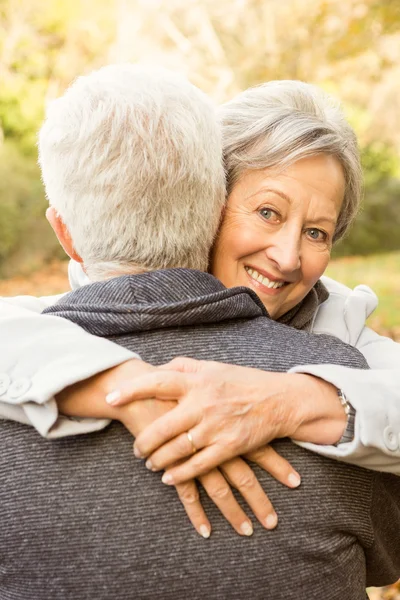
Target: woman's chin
272,298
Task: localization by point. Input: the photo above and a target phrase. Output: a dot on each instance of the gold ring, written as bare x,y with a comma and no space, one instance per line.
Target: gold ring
189,437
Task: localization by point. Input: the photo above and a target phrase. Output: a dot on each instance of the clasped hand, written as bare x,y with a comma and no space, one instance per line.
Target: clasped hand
220,405
86,399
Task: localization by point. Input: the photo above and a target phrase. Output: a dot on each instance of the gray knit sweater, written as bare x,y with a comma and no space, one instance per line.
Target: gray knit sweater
82,519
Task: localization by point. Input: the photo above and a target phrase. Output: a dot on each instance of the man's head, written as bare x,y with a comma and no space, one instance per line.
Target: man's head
131,160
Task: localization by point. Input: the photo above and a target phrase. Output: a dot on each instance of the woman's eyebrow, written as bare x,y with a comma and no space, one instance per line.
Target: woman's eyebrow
323,219
267,190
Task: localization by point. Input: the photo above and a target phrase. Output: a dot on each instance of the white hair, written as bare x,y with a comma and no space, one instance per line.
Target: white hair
131,159
280,122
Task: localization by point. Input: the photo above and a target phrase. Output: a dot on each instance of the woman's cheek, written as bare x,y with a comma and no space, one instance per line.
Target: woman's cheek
315,266
235,241
248,238
246,243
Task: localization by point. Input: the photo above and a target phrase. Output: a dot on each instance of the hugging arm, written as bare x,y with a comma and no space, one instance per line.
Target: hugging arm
43,350
40,356
374,394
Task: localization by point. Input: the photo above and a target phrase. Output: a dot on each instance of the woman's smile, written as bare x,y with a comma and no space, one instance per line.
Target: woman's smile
264,282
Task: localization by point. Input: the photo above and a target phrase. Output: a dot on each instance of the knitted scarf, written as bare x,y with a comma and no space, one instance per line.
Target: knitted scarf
302,315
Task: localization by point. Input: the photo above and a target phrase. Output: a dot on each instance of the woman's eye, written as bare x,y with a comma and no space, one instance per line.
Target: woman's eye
317,235
268,214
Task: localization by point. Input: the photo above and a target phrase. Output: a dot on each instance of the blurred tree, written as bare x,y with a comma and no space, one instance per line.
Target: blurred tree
351,48
44,45
22,210
229,45
377,228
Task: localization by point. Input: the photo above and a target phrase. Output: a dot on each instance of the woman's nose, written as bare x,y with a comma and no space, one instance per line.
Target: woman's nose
285,253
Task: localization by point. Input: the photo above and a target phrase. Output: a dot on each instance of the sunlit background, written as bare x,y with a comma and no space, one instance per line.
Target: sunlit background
350,48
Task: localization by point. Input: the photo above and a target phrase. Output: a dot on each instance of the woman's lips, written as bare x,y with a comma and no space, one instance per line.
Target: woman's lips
265,283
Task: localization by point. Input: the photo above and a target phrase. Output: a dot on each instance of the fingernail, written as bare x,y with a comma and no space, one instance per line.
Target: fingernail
167,478
112,397
204,531
149,465
294,480
137,452
271,521
246,528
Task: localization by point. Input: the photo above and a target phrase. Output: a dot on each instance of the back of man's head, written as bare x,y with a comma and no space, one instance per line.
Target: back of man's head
131,160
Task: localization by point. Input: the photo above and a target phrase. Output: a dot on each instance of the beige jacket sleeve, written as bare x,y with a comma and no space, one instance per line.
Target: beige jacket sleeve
39,356
375,394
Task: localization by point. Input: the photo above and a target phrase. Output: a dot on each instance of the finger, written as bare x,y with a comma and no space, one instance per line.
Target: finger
163,385
189,496
242,478
162,430
200,463
221,494
272,462
183,364
171,452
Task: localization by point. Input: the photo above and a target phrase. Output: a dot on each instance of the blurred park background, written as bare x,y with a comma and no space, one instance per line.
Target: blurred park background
350,48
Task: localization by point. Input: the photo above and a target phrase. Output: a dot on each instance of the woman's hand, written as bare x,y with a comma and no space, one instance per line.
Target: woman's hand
235,473
240,476
86,399
228,411
217,483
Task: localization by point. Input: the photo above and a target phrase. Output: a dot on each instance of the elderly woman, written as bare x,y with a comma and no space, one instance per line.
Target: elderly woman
294,186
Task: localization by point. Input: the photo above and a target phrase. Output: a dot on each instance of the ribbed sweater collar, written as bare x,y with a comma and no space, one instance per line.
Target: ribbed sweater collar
300,317
156,299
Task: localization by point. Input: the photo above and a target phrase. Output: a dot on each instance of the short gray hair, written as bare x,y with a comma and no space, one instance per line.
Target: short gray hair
280,122
131,159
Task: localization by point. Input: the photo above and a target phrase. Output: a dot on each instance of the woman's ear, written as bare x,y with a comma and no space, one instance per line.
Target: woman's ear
62,233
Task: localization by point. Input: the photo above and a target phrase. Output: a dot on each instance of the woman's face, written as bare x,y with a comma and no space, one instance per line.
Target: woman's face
277,231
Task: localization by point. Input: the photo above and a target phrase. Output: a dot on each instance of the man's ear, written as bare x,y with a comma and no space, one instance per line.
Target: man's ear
62,233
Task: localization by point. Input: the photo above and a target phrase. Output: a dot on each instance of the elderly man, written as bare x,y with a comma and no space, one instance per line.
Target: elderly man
127,157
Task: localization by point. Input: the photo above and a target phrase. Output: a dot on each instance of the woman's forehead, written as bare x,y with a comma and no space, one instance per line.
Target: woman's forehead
318,179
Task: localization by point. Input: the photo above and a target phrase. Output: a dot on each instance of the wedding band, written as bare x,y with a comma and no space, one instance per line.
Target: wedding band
189,437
